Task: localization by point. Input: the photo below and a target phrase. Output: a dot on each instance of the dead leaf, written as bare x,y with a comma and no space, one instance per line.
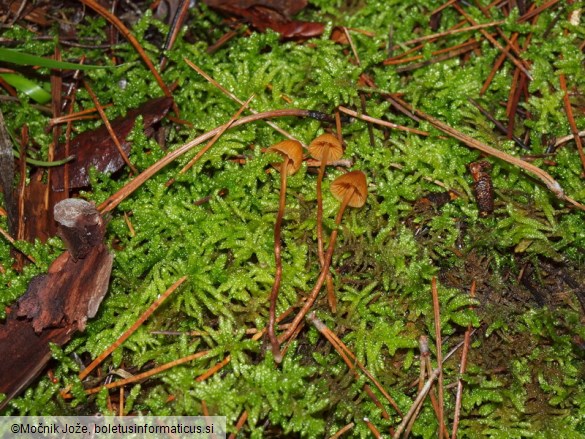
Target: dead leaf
287,8
263,17
96,149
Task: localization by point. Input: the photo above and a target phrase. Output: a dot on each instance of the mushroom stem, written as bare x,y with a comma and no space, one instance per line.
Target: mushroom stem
278,262
330,291
320,206
324,271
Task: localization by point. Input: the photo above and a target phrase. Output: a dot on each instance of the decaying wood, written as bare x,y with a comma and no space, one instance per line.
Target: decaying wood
58,303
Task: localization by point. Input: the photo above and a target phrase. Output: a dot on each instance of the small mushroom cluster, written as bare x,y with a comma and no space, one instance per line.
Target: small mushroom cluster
349,188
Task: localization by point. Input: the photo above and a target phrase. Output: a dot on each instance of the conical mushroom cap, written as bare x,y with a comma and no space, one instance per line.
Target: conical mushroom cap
355,180
326,141
291,149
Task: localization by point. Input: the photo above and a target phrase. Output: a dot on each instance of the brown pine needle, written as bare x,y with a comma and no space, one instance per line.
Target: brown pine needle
517,62
372,428
340,432
571,119
381,122
79,115
443,6
144,375
115,199
241,421
132,39
353,49
13,242
109,127
419,399
345,352
85,372
462,368
449,51
217,136
537,11
452,31
437,316
233,97
497,65
204,408
217,367
543,176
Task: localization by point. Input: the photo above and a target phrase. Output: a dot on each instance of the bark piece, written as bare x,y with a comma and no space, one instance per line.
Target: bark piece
58,303
78,279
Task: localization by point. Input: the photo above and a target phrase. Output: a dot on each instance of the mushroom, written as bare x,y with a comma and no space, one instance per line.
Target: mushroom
352,190
292,153
326,148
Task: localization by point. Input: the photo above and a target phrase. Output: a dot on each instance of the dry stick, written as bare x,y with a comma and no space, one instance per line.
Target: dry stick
128,35
417,401
572,124
381,122
543,176
236,99
109,127
85,372
462,367
135,183
347,354
437,316
340,432
518,63
453,31
239,424
217,136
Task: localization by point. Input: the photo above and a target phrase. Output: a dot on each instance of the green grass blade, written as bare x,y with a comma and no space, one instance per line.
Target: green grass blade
26,59
25,85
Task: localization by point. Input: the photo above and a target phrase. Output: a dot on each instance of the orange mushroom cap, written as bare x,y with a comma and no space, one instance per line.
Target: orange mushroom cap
326,141
291,149
354,180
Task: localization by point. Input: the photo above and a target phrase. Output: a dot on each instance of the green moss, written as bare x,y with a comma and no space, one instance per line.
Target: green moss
524,376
